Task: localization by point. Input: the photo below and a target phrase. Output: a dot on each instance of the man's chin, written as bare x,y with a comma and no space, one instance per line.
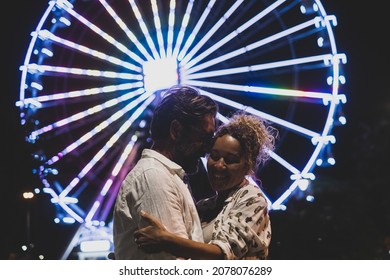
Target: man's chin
192,169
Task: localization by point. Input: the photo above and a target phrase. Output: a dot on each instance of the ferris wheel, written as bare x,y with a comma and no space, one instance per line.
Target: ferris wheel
94,70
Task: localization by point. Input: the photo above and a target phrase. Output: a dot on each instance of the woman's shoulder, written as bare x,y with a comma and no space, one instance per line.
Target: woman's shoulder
250,189
251,192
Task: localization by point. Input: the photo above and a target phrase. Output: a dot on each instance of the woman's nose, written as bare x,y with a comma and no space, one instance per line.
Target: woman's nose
220,163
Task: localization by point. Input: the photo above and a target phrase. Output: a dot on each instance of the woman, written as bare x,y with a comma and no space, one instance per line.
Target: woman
235,221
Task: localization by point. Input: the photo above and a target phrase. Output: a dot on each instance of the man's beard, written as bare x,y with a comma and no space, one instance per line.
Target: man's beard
189,162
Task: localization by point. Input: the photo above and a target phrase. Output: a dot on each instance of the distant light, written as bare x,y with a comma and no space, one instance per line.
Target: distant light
319,162
95,246
66,200
342,120
343,81
142,123
160,74
134,138
28,195
36,85
68,220
47,52
320,42
310,198
331,161
303,184
65,21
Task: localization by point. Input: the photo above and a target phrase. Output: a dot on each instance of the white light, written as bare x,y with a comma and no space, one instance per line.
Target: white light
95,246
28,195
68,220
310,198
342,120
303,184
320,42
142,123
160,74
279,207
331,161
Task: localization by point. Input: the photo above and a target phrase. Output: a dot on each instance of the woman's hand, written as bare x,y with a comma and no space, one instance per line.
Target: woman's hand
150,237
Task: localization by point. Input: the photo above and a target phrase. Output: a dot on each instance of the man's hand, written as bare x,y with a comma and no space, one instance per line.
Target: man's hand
150,237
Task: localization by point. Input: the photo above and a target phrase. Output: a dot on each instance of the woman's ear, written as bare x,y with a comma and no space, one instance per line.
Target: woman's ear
175,130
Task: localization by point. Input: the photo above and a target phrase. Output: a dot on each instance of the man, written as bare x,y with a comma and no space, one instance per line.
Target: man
182,128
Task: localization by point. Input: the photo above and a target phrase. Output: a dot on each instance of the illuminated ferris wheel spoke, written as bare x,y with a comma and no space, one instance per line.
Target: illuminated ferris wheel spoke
48,69
63,195
325,97
283,162
79,93
101,33
194,31
181,32
125,28
144,29
116,136
99,128
324,58
188,57
90,111
103,213
248,48
157,25
271,118
91,52
171,26
104,195
192,61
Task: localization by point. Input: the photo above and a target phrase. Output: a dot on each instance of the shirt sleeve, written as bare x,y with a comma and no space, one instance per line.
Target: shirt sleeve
162,198
243,227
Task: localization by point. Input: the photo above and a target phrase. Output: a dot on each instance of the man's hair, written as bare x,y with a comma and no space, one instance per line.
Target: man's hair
184,104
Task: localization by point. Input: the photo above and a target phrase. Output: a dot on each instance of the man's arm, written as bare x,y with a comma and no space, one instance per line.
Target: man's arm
154,237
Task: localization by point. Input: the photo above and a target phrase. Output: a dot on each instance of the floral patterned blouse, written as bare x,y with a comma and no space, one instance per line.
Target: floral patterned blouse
243,228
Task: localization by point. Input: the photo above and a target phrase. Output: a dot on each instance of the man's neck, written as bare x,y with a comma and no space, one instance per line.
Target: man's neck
163,149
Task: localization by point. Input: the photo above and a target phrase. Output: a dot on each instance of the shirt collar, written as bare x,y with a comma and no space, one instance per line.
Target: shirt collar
171,165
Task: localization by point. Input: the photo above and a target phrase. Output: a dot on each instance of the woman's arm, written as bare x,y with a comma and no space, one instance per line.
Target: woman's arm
155,237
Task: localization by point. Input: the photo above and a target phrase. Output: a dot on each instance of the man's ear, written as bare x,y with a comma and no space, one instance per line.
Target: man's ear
176,130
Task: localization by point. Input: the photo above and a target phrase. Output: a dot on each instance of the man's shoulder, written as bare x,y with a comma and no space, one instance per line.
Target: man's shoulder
148,167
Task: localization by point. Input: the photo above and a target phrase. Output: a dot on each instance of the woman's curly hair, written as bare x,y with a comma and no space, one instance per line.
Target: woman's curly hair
256,137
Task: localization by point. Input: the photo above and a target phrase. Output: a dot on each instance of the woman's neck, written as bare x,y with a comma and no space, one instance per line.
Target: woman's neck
227,192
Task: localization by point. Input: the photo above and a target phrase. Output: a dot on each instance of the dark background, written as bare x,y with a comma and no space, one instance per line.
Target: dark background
350,218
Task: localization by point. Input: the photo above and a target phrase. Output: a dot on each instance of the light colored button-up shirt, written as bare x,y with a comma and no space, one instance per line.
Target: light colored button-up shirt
155,185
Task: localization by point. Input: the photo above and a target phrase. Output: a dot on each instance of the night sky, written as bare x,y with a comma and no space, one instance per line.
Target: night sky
350,218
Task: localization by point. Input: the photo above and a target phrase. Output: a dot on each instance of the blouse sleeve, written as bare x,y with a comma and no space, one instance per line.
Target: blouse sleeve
243,228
